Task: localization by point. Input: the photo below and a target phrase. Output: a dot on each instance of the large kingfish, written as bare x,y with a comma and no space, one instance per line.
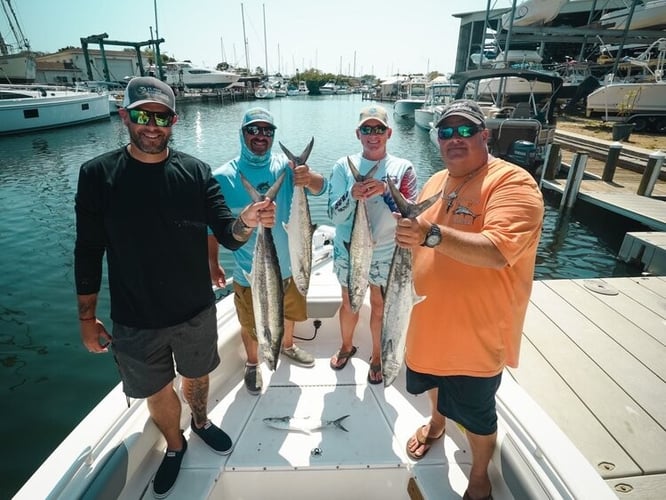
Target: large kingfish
303,424
300,227
399,294
360,245
266,283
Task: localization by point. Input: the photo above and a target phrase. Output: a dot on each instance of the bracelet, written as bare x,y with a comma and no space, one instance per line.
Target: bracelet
245,226
94,318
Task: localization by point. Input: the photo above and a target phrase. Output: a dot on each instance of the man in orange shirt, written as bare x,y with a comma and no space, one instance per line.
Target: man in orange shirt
473,259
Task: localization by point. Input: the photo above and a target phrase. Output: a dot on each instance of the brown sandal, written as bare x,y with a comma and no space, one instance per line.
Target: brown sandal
425,441
342,356
373,372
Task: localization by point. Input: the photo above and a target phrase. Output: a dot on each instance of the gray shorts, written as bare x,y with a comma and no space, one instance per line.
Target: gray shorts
145,357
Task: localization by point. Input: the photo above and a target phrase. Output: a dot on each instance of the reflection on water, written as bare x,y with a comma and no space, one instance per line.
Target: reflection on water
45,373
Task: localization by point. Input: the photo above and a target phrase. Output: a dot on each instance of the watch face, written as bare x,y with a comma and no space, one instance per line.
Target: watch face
433,240
434,237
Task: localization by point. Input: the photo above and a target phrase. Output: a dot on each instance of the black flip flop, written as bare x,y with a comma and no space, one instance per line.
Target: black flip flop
344,356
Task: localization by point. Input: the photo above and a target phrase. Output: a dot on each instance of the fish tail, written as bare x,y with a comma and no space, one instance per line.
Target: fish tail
338,423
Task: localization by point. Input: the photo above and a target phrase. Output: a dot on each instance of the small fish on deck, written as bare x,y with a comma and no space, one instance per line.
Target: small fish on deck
304,424
299,227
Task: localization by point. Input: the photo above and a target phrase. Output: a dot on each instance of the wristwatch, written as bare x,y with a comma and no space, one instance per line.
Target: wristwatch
433,237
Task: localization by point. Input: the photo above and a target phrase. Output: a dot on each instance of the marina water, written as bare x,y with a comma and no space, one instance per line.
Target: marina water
48,381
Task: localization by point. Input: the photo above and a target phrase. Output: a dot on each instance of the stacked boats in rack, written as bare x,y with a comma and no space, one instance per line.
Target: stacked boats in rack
37,107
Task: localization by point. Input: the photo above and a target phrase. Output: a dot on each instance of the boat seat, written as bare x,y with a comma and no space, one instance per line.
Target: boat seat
522,110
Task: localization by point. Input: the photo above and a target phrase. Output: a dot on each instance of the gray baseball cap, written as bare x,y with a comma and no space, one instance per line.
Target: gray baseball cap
465,108
146,89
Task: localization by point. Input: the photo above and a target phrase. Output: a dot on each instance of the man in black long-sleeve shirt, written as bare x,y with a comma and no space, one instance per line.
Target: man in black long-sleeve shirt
148,207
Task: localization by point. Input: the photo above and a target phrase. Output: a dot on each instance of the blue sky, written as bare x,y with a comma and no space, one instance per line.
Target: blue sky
377,37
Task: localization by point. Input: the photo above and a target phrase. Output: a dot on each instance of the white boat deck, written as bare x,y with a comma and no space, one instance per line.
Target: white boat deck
115,451
596,363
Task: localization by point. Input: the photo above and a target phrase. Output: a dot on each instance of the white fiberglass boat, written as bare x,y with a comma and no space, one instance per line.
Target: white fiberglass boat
38,107
185,74
115,451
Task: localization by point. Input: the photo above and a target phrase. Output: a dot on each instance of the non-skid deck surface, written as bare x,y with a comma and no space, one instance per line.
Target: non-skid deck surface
594,357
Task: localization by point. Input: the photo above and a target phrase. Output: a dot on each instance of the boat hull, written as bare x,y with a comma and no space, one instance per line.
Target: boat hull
404,108
628,99
423,117
648,15
39,113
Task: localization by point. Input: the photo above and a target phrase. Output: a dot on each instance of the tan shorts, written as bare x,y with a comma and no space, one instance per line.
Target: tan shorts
295,305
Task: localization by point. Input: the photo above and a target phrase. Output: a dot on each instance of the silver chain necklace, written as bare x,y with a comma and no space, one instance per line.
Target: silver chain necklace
453,195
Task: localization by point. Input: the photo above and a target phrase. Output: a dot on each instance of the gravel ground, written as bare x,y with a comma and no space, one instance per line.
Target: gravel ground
602,130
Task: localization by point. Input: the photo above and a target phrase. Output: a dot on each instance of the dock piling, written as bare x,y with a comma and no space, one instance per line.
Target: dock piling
574,179
614,151
651,173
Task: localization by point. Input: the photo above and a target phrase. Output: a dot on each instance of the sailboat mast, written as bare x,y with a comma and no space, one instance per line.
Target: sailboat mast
18,33
247,57
263,7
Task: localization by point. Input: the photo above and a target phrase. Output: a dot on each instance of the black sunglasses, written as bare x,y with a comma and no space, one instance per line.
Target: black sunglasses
367,129
142,117
256,130
463,131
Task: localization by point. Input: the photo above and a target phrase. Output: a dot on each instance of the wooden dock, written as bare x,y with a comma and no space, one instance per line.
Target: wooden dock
594,357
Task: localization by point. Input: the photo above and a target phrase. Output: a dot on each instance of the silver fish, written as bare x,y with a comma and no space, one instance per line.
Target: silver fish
266,283
360,245
304,424
300,228
399,294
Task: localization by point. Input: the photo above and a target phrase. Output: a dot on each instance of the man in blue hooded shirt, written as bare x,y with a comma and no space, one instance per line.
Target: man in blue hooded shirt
262,168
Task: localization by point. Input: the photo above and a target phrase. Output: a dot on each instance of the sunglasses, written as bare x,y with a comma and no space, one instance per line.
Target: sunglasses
256,130
142,117
463,131
367,129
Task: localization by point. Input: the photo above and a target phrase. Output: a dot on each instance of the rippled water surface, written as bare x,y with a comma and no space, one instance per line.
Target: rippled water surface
48,382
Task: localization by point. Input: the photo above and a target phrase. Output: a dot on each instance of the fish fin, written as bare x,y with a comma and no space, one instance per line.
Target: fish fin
290,156
372,171
306,152
272,192
354,170
254,194
338,423
302,158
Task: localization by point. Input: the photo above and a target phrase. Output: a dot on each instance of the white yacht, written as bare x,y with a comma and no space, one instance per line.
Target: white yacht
38,107
185,74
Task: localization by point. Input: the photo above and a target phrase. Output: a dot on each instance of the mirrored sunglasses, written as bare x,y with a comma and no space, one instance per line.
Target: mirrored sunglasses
142,117
367,129
256,130
463,131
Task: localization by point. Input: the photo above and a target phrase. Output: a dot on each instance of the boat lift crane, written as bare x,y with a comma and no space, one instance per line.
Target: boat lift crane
102,41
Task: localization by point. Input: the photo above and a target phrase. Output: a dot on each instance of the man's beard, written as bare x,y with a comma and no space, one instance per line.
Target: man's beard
152,146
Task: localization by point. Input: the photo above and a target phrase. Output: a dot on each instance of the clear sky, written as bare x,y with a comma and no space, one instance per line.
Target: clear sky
371,37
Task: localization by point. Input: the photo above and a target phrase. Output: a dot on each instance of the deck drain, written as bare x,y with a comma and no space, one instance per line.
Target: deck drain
600,286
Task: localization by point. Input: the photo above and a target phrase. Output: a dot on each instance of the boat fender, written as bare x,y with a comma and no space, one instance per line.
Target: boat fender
600,286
